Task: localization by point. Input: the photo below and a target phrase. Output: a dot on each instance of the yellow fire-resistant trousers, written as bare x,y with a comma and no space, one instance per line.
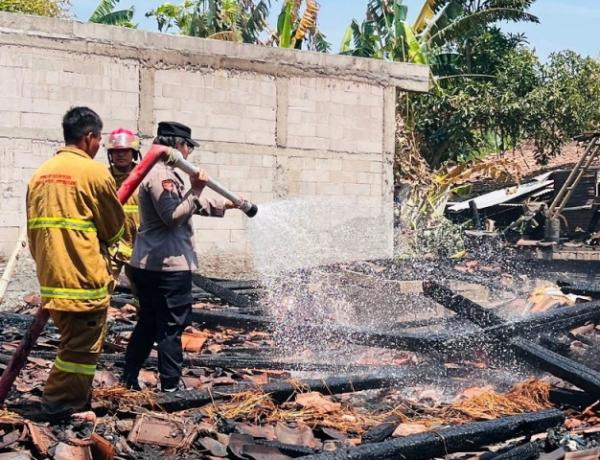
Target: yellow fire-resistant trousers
69,384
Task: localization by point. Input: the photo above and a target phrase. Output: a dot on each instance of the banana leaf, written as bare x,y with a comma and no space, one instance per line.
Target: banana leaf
445,13
103,8
415,55
460,26
284,25
406,38
346,40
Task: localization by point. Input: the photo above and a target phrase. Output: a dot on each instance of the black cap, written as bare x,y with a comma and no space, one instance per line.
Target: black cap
174,129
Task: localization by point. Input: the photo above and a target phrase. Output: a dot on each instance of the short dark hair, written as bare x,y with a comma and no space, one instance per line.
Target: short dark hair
78,122
170,141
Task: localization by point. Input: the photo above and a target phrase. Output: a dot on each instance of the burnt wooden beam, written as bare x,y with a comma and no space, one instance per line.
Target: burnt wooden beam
222,292
559,344
24,321
236,285
449,440
230,318
475,215
459,304
549,361
291,450
246,362
555,320
551,320
382,431
526,451
565,368
566,397
584,288
394,340
120,300
425,322
116,328
280,392
541,325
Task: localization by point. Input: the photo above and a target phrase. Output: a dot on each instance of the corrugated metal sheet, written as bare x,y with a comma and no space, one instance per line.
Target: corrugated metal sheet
502,196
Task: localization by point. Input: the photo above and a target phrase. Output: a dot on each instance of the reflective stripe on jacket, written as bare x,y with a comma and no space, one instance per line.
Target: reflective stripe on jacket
72,215
132,219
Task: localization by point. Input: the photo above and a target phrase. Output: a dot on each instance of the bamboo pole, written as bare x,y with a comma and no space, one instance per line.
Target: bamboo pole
12,261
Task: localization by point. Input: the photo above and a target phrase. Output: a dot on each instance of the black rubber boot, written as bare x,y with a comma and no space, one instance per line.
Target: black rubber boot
130,381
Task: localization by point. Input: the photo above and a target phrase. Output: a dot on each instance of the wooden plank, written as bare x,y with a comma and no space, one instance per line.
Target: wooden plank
560,366
454,439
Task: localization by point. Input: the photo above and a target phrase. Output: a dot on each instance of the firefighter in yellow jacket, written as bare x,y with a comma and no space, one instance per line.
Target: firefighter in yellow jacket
123,149
73,214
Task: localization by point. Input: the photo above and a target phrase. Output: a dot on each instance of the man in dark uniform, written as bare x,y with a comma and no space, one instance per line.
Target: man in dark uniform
163,260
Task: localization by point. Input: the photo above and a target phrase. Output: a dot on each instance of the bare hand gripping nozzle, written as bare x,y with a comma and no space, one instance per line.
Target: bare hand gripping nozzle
175,159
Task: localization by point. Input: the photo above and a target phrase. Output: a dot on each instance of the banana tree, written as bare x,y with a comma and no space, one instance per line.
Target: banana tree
295,29
444,24
105,14
441,21
384,34
231,20
440,27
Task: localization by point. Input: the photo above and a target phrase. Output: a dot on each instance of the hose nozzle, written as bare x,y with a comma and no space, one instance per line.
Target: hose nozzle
175,158
250,209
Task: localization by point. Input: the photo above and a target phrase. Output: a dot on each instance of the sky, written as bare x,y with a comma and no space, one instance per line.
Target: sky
564,24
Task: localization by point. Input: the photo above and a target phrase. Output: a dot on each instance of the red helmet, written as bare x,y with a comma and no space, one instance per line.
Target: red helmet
122,138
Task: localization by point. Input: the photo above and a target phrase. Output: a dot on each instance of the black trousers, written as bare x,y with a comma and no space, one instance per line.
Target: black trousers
165,306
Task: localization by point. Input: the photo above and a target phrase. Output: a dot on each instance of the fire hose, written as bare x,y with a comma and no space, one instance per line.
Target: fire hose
171,157
175,158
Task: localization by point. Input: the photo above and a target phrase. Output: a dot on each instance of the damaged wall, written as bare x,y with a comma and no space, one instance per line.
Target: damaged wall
272,123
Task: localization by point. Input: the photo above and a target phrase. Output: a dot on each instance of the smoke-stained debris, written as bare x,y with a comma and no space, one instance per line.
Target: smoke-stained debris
241,408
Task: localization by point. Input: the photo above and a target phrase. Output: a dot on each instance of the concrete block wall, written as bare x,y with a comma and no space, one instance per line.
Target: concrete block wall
272,123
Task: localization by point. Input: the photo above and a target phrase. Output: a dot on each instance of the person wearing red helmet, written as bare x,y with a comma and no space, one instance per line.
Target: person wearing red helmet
123,149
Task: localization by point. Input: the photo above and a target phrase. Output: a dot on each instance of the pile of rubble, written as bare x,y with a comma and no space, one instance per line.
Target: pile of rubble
423,388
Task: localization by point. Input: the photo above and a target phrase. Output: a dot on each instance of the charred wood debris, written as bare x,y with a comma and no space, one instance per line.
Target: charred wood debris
419,388
551,214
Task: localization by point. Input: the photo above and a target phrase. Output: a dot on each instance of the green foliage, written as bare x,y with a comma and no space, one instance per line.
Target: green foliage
490,91
318,42
255,22
548,103
284,24
384,34
439,239
243,21
234,20
169,15
50,8
364,41
294,30
456,21
565,104
105,13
